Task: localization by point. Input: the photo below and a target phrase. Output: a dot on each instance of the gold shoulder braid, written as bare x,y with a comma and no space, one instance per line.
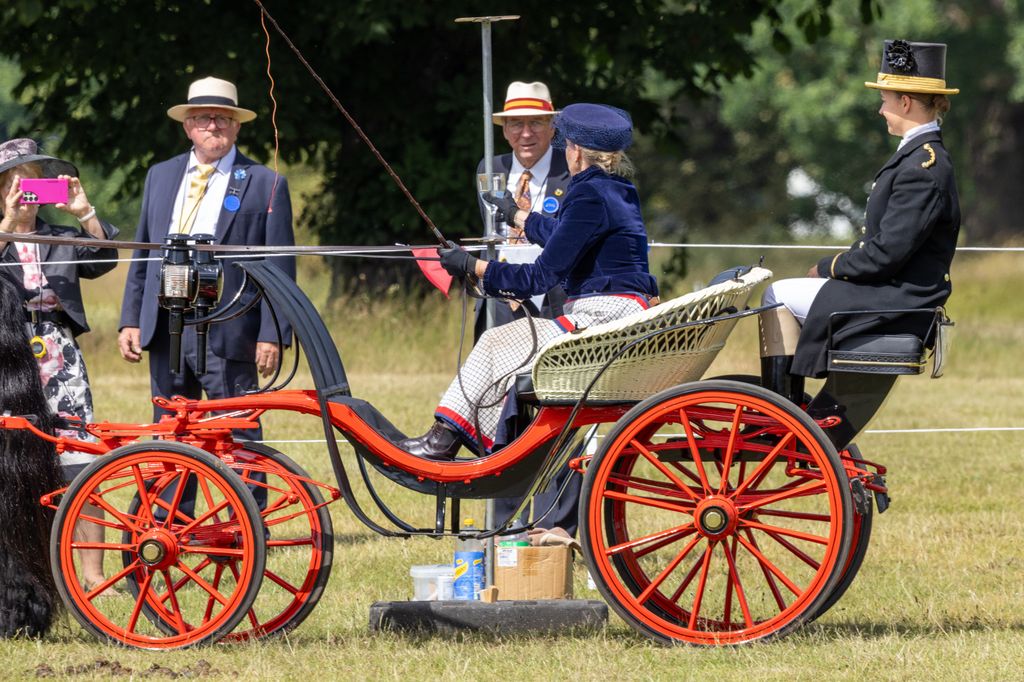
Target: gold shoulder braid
931,154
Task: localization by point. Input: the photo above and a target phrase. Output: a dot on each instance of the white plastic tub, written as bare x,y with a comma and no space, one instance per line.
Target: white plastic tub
432,582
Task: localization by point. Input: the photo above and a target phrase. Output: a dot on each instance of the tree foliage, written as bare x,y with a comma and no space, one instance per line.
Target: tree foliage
102,74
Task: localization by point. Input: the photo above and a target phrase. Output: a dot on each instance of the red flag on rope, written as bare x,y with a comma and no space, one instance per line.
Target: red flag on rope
432,269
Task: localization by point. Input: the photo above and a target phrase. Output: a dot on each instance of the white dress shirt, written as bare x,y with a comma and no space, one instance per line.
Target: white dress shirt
918,130
209,206
538,179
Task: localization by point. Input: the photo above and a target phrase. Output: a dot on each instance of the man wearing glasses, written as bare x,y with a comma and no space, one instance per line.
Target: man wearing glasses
211,189
537,178
537,174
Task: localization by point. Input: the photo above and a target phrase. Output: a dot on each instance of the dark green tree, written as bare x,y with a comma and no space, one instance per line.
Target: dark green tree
102,74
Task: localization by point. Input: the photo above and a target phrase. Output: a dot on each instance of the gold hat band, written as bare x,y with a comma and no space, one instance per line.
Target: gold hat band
895,81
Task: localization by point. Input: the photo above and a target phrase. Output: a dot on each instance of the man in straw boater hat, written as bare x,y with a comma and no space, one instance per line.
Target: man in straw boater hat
903,251
211,189
537,179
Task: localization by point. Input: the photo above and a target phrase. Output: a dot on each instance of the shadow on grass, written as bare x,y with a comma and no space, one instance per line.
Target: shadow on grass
879,630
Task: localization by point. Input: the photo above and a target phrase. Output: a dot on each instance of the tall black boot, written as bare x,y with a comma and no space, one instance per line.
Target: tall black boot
775,376
441,442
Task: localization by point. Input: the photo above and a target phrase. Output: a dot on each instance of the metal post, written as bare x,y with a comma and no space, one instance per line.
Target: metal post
489,227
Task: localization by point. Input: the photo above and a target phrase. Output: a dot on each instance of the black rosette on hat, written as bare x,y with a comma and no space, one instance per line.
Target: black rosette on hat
900,56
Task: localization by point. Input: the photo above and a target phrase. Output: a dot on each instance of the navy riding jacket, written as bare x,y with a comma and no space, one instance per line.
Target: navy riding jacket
596,244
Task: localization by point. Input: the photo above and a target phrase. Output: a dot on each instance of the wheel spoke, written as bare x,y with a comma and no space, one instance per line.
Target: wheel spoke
103,545
809,537
143,494
197,579
660,466
800,554
694,451
671,535
701,584
763,467
198,568
96,499
769,578
656,583
179,620
734,582
210,601
729,449
179,492
133,619
804,516
198,520
102,587
647,501
763,560
212,551
812,488
281,581
649,486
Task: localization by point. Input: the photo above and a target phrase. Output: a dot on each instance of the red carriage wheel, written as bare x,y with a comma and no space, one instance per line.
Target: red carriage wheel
716,513
300,544
300,547
859,543
160,599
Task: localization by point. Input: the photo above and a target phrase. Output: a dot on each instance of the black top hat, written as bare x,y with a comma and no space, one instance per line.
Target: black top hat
913,67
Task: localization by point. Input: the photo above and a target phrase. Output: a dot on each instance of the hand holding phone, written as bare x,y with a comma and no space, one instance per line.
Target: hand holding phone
44,190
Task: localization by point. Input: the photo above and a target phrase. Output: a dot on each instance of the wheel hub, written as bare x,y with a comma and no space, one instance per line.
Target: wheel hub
715,517
157,549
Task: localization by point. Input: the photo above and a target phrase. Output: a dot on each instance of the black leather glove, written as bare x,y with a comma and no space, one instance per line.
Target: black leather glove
507,206
456,261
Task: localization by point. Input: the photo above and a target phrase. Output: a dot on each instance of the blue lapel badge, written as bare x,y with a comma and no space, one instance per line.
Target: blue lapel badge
232,202
550,205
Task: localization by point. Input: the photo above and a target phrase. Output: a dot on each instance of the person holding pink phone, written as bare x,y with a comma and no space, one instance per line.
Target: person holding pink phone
48,276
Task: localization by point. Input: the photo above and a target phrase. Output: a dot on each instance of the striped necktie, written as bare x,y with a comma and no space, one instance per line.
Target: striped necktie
196,191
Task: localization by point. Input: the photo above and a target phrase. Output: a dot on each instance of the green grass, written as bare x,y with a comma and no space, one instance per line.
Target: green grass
939,596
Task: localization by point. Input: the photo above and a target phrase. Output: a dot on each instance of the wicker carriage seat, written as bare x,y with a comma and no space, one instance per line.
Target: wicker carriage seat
566,365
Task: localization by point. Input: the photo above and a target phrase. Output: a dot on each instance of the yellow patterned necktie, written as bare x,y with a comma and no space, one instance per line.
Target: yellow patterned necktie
196,191
523,191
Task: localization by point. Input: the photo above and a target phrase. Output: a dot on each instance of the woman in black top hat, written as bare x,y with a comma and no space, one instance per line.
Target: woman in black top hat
47,277
903,253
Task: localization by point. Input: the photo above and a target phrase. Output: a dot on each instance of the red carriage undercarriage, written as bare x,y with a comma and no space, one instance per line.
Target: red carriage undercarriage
714,512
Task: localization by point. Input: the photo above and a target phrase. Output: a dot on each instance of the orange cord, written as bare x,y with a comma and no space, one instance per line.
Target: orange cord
273,114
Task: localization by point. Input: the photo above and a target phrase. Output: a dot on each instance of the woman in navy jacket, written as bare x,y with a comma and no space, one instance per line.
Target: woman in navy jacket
596,245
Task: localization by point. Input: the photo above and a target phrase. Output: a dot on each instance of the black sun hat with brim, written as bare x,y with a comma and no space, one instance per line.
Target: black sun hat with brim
913,67
22,150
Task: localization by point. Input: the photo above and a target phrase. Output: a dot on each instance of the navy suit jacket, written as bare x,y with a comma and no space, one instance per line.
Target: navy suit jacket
251,224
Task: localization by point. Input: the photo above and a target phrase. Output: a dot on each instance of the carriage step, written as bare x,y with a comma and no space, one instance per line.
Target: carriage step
881,498
861,497
502,617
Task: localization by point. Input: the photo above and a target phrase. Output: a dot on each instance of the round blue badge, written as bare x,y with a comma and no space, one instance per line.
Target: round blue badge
231,203
550,205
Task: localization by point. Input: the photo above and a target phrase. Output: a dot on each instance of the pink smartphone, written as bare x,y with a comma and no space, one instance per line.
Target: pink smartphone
44,191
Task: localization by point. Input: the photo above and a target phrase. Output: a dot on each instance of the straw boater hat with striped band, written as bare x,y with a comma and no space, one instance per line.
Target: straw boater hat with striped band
913,67
212,92
525,99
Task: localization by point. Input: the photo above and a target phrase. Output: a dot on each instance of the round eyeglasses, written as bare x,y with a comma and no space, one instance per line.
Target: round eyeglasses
203,121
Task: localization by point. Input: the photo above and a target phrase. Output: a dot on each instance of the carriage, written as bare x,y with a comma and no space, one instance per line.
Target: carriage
714,511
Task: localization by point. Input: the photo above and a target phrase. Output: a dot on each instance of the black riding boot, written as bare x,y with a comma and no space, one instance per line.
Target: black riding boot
441,442
775,376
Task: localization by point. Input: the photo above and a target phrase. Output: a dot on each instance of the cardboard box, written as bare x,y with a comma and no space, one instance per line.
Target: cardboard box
528,573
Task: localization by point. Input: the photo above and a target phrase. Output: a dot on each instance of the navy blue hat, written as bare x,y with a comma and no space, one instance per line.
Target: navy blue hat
595,126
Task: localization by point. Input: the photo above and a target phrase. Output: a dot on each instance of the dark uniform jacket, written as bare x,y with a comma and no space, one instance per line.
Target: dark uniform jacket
69,265
597,244
901,260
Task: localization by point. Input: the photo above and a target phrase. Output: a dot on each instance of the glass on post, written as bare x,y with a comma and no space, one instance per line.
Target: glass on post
496,183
